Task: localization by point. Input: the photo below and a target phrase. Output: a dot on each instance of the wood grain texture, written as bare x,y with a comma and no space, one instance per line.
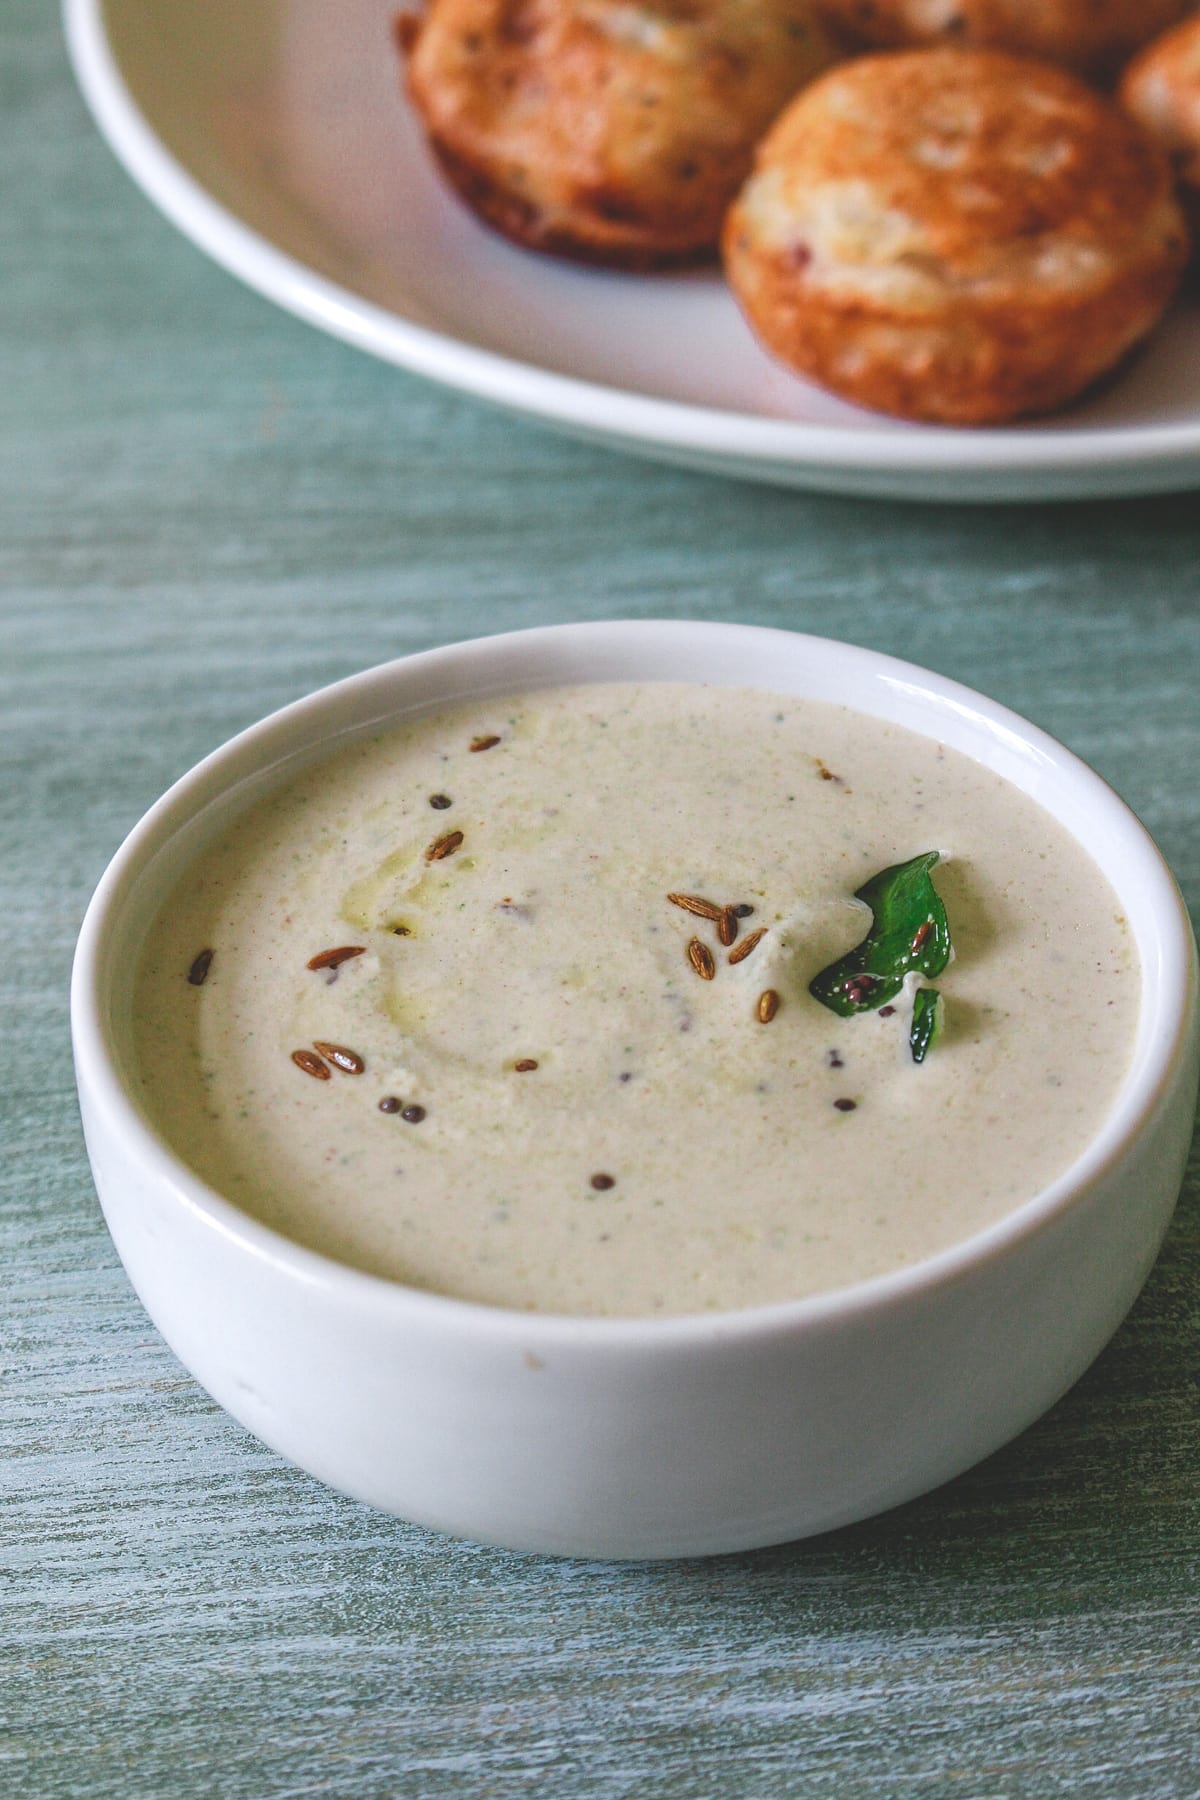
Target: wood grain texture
206,510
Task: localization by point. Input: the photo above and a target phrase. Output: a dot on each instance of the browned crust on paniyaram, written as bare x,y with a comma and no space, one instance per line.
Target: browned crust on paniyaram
1161,90
593,130
955,236
1093,36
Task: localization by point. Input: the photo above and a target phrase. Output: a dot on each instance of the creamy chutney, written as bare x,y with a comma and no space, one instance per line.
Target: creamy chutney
430,1010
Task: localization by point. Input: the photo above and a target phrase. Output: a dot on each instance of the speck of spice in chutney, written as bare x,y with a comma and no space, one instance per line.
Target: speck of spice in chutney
333,959
198,973
703,909
741,951
443,846
701,959
348,1061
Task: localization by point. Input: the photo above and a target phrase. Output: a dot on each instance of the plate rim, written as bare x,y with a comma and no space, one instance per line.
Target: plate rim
636,421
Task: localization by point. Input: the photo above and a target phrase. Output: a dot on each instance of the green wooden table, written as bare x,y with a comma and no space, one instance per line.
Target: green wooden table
206,509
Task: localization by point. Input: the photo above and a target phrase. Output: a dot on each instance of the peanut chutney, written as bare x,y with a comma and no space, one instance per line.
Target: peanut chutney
474,1004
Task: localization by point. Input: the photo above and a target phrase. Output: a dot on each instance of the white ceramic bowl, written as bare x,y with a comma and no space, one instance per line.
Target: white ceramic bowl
628,1437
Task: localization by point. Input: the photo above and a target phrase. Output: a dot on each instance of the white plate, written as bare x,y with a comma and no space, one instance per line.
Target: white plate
274,135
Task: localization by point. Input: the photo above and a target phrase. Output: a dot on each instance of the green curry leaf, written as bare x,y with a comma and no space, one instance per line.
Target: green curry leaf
909,931
926,1022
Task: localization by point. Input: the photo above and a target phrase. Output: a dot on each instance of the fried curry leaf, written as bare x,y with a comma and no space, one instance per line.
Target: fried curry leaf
926,1022
909,931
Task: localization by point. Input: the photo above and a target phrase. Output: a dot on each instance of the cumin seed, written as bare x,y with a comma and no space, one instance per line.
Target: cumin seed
727,927
703,909
443,846
768,1005
701,959
333,959
311,1064
348,1061
198,973
742,950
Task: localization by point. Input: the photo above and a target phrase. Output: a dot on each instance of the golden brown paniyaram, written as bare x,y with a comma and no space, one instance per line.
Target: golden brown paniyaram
1161,90
606,130
1093,36
954,235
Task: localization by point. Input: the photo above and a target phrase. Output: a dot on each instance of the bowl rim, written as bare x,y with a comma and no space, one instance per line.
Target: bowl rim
1173,981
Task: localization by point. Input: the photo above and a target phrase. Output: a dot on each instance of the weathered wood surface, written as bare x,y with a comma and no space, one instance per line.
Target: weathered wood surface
205,510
